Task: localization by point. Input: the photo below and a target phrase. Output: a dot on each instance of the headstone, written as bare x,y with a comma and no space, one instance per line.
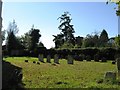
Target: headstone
40,58
34,62
110,75
26,60
56,59
70,59
38,62
48,58
113,62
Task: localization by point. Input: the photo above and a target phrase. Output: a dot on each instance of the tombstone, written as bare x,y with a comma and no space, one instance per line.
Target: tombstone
48,58
26,60
110,75
34,62
38,62
113,62
56,59
70,59
40,58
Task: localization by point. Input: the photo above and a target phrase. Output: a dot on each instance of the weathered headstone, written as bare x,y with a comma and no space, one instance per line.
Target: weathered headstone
26,60
110,75
118,67
70,59
56,59
40,58
48,58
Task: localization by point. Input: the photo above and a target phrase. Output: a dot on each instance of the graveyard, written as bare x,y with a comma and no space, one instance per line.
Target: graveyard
80,74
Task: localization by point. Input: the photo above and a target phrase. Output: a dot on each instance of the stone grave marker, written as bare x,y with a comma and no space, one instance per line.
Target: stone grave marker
109,75
70,59
40,58
56,59
48,58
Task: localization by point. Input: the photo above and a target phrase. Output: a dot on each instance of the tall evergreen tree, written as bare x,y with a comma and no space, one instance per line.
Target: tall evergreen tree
103,38
67,30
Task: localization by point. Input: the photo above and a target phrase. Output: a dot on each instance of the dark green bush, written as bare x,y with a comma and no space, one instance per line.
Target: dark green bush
103,59
88,58
96,57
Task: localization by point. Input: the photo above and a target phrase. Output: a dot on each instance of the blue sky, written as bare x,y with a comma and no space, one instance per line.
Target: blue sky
87,17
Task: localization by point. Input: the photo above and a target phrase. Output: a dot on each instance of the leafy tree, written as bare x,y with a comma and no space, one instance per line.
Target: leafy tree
12,41
59,40
78,41
66,36
3,35
30,40
34,38
25,40
118,4
117,40
103,38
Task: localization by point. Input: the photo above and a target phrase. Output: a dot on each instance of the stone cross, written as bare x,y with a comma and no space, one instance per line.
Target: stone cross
48,58
70,59
40,58
56,59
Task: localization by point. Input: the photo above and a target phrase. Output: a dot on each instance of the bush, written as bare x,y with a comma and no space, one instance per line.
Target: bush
96,57
118,63
81,57
88,58
103,59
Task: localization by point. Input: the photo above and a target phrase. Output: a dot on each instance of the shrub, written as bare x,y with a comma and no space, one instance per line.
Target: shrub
81,57
88,58
96,57
103,59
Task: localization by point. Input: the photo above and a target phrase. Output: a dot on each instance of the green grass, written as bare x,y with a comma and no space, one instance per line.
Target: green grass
82,74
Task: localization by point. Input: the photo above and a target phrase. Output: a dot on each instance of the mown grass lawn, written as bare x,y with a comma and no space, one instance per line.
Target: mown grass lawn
82,74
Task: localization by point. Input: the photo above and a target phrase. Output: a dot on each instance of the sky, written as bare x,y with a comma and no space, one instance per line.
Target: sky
87,17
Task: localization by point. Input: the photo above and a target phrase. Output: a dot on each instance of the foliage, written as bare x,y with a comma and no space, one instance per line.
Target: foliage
12,41
117,40
3,35
67,31
118,4
103,38
30,40
34,38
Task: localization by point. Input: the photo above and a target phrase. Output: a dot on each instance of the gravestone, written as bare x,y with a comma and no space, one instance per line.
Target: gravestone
70,59
110,75
40,58
56,59
48,58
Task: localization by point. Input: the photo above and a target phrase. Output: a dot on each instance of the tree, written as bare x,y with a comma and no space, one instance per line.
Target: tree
3,35
117,41
34,38
66,35
30,40
12,41
103,38
118,4
26,40
59,40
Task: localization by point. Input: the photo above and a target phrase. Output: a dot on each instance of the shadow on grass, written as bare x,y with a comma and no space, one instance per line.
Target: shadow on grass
11,77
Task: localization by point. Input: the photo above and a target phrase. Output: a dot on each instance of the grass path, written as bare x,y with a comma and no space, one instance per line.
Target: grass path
46,75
